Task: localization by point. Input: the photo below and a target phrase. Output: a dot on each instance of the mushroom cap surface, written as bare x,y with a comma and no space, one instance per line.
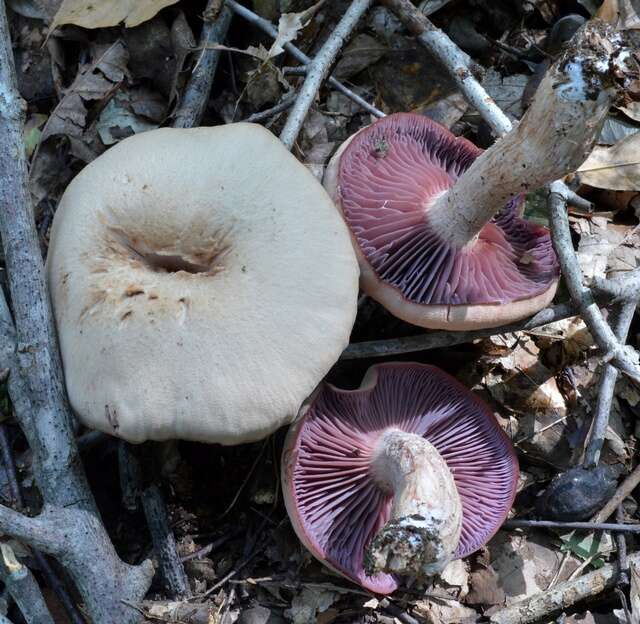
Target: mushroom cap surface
202,284
333,501
384,179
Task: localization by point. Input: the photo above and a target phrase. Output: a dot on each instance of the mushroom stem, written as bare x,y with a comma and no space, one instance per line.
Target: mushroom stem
553,139
426,518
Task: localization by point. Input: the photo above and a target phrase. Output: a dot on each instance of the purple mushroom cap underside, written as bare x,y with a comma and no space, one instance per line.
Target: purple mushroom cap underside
339,508
389,175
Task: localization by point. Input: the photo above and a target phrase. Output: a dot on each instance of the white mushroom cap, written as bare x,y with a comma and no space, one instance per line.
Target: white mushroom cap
203,283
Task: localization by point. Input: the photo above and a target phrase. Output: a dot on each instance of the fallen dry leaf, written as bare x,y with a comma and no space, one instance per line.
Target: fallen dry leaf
623,14
105,13
97,81
616,167
289,25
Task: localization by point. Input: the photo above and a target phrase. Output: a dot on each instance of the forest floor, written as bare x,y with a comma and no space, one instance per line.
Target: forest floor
88,87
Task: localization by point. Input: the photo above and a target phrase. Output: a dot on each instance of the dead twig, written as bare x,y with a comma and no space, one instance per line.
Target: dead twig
623,357
454,59
318,70
196,95
624,287
624,489
164,544
580,526
606,387
439,339
69,528
23,588
267,27
280,107
47,571
561,597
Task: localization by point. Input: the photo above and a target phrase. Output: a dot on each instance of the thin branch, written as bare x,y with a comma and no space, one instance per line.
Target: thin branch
624,489
23,588
134,482
625,358
280,107
562,597
621,547
164,543
196,95
319,68
580,526
607,387
624,287
456,62
439,339
267,27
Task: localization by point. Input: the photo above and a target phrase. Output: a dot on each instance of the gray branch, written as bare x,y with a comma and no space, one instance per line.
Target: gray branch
36,358
196,95
624,357
561,597
606,388
319,68
29,350
267,27
23,588
624,287
164,543
439,339
77,539
454,59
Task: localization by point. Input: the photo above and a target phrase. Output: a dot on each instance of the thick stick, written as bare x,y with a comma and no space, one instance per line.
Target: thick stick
561,597
196,95
58,470
319,68
553,138
267,27
43,564
30,352
439,339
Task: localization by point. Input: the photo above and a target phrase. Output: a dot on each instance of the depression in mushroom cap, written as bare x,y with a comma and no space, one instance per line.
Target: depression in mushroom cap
202,284
385,180
342,489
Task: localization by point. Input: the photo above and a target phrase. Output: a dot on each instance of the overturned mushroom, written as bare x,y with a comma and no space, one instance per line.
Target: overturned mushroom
398,476
202,284
437,223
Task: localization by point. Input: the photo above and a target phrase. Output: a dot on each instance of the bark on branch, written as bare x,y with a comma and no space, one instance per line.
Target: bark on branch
69,527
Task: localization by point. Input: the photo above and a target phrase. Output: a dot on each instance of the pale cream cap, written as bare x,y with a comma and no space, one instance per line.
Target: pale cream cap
259,304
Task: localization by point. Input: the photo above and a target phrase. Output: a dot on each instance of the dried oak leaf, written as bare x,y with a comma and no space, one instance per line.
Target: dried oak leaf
105,13
97,81
616,167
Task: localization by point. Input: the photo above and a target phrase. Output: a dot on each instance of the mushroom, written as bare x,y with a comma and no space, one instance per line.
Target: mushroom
437,223
387,179
202,284
397,477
